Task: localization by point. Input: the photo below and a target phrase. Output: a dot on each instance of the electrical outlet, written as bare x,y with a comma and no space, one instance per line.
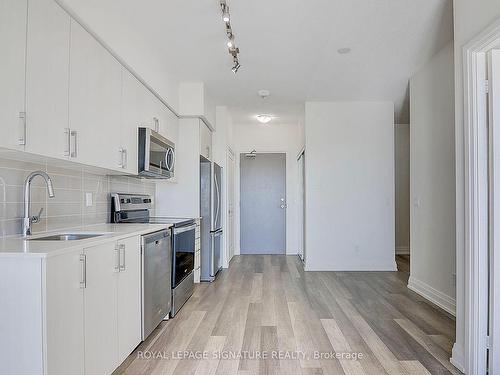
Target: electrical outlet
88,200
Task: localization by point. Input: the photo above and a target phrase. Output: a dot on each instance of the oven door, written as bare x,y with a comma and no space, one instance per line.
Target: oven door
183,253
156,155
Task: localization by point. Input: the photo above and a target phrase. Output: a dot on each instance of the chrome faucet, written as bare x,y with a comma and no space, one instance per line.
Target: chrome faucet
28,220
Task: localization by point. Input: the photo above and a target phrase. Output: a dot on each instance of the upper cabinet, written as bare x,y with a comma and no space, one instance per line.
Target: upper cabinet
95,92
47,79
140,108
205,141
12,91
63,95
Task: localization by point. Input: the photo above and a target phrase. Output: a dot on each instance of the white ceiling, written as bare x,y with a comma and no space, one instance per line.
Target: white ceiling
287,46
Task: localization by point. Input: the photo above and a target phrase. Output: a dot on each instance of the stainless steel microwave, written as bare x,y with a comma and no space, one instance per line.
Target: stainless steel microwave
156,155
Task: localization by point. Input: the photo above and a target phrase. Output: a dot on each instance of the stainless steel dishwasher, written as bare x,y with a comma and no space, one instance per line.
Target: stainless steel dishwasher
156,252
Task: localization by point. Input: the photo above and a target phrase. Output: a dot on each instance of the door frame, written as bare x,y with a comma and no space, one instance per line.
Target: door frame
237,198
472,264
229,155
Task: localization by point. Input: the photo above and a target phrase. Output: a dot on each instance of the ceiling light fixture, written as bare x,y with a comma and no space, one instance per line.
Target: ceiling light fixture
232,49
264,119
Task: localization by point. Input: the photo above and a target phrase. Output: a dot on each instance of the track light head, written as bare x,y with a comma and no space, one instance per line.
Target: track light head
225,14
236,67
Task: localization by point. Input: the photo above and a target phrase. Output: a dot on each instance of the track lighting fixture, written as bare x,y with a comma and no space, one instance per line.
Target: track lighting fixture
232,49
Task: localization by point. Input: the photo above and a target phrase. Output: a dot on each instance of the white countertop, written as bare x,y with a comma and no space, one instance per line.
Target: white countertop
20,247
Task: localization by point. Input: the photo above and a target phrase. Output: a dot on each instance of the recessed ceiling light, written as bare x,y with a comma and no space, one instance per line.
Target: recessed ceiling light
264,93
264,119
344,50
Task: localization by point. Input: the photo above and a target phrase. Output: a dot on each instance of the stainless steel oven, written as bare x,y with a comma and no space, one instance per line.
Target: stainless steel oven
184,237
156,155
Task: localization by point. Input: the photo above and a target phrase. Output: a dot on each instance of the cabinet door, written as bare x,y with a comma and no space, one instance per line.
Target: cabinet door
101,343
94,100
47,80
129,297
168,122
64,314
205,141
136,112
12,74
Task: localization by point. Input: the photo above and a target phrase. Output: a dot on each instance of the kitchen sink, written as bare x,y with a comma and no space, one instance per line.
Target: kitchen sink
67,237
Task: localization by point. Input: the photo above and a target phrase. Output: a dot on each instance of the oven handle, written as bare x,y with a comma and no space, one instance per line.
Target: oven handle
184,229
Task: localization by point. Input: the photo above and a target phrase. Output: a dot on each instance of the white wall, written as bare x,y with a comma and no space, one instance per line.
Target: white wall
181,197
272,138
350,186
432,272
402,177
470,18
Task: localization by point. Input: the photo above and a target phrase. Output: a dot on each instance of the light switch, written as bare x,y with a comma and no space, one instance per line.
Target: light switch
88,199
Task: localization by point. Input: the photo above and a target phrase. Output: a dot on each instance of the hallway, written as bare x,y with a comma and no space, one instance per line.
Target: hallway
265,304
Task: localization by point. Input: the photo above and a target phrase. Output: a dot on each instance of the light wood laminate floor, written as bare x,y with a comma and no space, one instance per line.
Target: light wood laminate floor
269,305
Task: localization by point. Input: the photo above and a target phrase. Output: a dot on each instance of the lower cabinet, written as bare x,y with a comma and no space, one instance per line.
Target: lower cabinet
101,311
92,301
64,314
129,297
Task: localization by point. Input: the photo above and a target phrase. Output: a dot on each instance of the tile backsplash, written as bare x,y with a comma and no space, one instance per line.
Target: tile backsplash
68,208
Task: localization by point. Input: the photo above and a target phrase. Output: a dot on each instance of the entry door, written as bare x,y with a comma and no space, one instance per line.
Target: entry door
230,204
494,251
262,203
301,206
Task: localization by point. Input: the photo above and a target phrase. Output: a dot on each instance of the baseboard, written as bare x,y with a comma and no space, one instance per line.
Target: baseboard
457,357
402,250
438,298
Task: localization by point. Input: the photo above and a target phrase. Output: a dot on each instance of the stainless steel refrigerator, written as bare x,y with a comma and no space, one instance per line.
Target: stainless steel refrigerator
211,218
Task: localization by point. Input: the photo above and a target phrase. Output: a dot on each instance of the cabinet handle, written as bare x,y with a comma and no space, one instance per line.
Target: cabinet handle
83,271
124,158
22,129
74,143
67,137
117,258
157,124
120,157
122,257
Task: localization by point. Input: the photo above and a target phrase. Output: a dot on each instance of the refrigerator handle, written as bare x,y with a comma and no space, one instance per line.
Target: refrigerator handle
218,199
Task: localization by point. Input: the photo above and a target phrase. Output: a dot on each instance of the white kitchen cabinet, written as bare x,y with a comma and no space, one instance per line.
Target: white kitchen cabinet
205,141
137,111
13,14
129,296
168,123
64,314
47,79
101,310
94,101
